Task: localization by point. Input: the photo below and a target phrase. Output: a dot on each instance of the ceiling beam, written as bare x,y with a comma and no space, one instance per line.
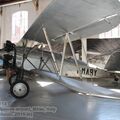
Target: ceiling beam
13,2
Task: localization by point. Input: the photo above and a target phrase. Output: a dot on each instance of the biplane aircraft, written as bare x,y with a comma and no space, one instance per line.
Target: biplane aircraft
63,22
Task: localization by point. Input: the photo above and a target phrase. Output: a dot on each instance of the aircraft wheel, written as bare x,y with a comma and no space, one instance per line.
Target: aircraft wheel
116,79
19,89
12,79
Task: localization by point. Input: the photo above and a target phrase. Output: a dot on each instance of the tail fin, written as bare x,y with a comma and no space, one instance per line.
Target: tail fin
113,63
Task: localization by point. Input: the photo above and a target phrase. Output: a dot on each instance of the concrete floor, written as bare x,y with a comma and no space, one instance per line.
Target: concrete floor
51,101
104,82
107,82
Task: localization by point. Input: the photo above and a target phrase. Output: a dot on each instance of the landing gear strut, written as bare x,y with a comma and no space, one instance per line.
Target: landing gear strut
18,87
12,79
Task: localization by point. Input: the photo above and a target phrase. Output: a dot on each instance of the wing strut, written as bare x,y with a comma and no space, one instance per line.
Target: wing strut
63,56
50,47
67,39
74,56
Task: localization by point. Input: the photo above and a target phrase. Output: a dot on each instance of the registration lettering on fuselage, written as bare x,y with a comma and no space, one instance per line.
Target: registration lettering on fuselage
89,71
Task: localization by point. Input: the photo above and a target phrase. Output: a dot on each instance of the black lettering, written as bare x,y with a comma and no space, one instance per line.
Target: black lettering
83,70
91,72
95,71
87,72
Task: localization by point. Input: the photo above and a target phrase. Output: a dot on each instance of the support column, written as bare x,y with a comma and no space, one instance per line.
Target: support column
84,49
2,31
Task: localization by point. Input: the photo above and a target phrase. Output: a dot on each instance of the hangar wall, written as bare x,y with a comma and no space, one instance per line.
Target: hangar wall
6,17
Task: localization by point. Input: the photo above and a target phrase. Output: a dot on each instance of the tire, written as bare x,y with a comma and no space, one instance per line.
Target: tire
116,79
19,89
12,79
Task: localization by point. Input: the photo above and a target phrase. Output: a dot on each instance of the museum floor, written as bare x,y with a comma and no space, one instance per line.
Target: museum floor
48,100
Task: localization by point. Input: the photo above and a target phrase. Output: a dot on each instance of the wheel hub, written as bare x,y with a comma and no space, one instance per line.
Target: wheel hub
20,89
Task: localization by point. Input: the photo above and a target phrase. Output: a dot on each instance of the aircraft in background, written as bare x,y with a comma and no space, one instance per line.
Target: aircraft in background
64,22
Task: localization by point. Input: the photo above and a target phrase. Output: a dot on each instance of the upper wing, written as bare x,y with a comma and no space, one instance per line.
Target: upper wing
82,18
